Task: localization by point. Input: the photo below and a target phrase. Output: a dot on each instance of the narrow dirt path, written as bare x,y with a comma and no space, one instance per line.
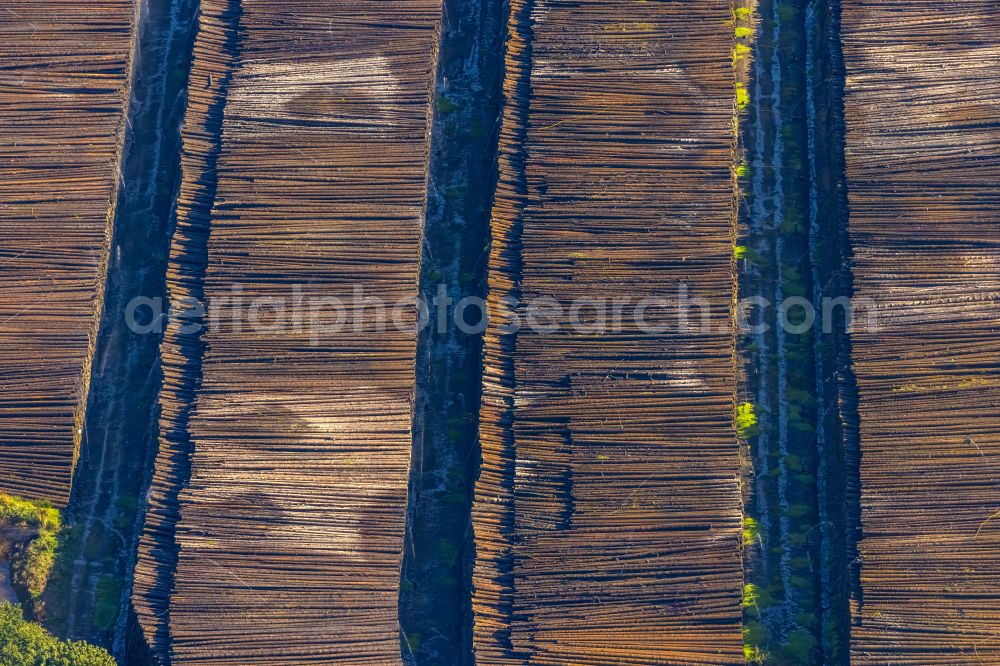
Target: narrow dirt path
795,231
435,616
6,591
87,591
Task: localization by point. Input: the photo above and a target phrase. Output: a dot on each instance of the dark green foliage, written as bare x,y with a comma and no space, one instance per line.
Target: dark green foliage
108,595
28,644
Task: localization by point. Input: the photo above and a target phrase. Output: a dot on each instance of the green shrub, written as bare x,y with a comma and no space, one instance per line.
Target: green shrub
751,531
799,511
798,649
801,583
754,635
106,602
126,502
805,480
446,549
445,105
32,563
746,421
413,640
28,644
800,397
754,655
787,13
742,96
756,596
24,513
749,595
800,564
740,51
456,498
806,619
793,462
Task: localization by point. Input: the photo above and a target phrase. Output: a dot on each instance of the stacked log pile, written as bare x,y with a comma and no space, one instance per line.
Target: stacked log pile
608,510
291,527
923,159
63,68
181,350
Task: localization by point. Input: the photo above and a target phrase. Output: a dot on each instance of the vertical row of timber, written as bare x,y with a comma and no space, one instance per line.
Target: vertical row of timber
607,513
291,523
923,174
63,72
181,349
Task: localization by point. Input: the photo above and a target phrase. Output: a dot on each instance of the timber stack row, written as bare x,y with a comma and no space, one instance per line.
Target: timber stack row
213,59
291,524
923,171
63,72
608,511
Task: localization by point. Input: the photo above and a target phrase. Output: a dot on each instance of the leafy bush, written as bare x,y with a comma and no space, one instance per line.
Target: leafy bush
746,421
751,531
31,564
23,513
28,644
799,511
749,595
445,105
742,96
799,647
754,636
